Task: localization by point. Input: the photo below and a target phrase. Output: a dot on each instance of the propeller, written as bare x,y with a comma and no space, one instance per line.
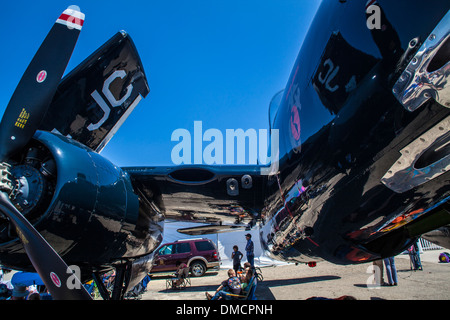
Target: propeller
54,272
21,119
38,85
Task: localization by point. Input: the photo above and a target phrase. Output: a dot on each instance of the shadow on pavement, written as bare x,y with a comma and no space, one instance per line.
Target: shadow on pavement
263,291
167,275
192,289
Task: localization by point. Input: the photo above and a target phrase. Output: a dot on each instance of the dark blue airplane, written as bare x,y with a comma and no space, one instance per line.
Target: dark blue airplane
363,127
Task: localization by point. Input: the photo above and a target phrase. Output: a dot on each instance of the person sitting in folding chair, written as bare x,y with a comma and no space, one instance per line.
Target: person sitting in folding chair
246,280
248,286
231,285
181,274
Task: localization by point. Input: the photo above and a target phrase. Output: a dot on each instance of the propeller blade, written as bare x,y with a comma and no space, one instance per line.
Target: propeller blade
54,272
35,90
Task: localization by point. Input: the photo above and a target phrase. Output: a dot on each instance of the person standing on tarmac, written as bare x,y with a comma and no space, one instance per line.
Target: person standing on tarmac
249,250
391,271
236,256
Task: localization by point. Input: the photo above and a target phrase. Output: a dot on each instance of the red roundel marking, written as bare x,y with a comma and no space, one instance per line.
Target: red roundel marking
55,279
295,123
41,76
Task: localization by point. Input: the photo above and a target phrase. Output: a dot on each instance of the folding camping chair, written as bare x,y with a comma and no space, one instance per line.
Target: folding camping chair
185,281
248,294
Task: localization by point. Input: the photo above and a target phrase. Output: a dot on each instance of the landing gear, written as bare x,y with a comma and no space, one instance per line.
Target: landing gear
121,281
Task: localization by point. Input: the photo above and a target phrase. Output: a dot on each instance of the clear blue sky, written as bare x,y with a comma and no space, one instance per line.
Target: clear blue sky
216,61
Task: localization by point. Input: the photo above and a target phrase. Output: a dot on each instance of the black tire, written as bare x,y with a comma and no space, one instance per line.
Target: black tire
198,268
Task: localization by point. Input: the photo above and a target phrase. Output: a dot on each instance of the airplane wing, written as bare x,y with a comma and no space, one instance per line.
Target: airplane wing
95,98
223,197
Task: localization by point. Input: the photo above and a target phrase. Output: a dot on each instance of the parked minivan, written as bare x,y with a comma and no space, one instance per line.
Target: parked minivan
199,254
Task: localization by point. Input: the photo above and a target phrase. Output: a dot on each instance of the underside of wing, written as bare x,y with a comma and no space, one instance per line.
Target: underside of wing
223,197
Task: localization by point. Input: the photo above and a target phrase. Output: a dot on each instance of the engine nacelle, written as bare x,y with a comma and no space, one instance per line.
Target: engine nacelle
77,199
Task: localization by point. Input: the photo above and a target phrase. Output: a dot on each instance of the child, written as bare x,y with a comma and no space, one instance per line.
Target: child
236,256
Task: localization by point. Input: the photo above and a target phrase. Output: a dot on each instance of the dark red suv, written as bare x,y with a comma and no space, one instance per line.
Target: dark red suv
199,254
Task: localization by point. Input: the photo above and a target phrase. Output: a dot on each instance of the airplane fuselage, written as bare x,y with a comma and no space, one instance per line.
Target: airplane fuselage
340,194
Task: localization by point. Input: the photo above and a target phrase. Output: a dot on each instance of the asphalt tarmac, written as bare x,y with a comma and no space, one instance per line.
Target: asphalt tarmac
299,282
